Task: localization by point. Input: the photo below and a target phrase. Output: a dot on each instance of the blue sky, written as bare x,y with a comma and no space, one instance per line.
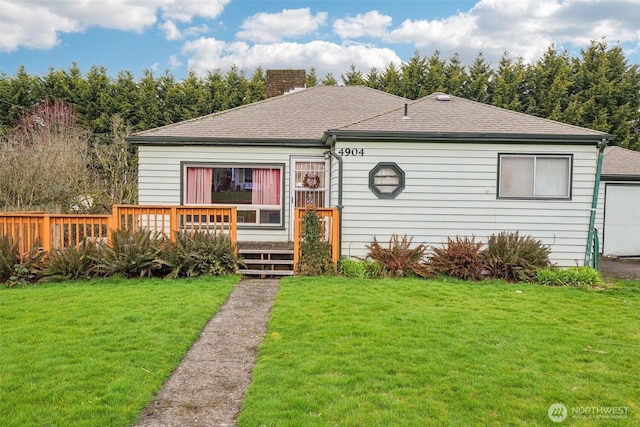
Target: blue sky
329,35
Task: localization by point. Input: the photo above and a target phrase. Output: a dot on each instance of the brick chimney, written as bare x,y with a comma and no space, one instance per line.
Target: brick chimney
280,82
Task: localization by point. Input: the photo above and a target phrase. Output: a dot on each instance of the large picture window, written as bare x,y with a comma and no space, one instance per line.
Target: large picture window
255,189
526,176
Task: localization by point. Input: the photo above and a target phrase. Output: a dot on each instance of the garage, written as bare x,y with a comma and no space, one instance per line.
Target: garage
621,203
622,220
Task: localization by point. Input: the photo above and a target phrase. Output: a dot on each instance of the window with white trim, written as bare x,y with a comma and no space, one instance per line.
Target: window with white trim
534,176
256,190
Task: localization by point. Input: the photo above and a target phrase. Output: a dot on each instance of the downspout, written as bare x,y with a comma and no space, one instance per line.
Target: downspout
339,205
588,259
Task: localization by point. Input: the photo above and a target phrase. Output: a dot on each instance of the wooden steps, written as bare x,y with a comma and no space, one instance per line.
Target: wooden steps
266,259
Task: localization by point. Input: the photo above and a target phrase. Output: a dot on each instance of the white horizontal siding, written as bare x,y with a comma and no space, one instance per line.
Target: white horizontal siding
450,189
159,176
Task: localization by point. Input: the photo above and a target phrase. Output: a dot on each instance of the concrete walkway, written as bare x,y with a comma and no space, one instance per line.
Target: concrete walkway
208,386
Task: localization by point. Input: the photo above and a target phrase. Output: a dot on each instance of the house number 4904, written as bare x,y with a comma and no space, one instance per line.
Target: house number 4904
351,151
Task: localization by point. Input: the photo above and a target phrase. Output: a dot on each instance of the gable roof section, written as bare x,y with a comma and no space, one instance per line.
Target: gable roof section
446,117
620,164
299,118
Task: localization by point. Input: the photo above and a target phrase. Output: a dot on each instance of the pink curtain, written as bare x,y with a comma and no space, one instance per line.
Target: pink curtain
266,187
199,185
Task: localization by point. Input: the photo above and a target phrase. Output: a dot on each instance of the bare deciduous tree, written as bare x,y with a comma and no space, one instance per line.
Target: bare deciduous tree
43,162
114,170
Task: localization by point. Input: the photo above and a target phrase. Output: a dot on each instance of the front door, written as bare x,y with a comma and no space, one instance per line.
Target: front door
309,184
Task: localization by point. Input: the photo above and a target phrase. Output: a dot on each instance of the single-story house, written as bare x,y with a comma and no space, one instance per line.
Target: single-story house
618,220
433,168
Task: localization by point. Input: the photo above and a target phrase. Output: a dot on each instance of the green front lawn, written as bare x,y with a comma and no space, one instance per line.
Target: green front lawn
413,352
95,353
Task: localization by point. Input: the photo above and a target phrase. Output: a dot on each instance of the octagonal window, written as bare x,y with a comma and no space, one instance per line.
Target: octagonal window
386,180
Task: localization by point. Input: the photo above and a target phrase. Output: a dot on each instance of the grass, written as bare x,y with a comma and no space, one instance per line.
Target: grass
95,353
413,352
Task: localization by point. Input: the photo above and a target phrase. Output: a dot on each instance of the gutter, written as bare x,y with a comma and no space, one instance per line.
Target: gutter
338,157
468,137
591,260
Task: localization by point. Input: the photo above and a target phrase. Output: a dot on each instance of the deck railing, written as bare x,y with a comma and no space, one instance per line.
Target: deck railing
51,231
330,233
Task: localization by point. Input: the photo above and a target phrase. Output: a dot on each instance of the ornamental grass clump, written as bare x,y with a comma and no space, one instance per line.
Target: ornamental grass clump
460,258
399,258
362,269
514,258
578,277
202,253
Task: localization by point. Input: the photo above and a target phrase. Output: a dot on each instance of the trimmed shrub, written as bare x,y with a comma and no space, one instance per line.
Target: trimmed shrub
76,262
315,254
460,257
399,259
514,258
133,254
201,253
578,277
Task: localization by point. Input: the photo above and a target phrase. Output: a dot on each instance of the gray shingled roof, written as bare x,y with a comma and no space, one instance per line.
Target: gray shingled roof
620,161
313,114
303,116
461,116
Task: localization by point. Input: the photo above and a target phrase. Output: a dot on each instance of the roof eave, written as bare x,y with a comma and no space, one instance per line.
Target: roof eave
617,177
262,142
471,137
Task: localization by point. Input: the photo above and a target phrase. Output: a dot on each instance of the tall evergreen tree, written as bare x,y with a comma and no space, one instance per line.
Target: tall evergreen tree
353,77
215,90
311,78
547,85
435,77
149,103
373,79
606,93
455,76
391,80
329,80
506,87
91,106
257,87
413,77
19,95
480,74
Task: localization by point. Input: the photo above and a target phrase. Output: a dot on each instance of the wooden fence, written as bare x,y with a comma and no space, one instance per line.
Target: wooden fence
50,231
330,231
56,231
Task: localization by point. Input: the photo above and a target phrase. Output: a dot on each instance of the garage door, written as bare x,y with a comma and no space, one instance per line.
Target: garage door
622,220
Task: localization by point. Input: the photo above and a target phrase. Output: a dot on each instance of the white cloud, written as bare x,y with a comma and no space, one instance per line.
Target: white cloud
174,62
37,23
31,26
373,24
274,27
523,28
207,54
170,30
184,10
